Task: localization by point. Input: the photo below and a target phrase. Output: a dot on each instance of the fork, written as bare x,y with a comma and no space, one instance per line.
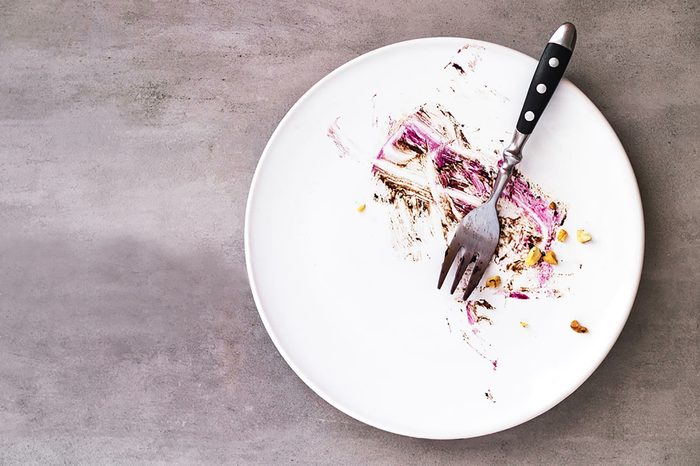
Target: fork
477,234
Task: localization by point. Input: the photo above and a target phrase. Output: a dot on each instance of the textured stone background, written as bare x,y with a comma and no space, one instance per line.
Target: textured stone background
129,132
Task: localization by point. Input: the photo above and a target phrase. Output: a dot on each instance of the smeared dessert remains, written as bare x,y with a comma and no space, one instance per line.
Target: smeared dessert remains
473,314
431,176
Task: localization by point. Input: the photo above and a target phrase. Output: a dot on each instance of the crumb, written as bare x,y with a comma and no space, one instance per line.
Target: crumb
489,395
533,256
562,235
361,207
550,258
485,304
494,363
552,205
458,68
493,282
577,327
523,324
583,236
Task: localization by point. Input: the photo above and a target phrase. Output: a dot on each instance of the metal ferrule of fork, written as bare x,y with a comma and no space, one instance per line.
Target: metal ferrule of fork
512,155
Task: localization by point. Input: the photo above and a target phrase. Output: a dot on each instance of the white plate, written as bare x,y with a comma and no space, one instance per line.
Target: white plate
365,327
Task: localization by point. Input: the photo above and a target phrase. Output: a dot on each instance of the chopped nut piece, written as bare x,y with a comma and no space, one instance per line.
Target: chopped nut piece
552,205
533,256
577,327
562,235
493,282
550,258
523,324
361,207
583,236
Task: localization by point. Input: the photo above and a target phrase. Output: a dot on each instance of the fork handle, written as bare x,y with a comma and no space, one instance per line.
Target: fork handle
549,72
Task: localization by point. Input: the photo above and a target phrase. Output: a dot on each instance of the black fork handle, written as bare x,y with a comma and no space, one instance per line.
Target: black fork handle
549,72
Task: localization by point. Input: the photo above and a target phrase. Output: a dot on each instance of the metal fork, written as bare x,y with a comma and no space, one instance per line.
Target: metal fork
476,237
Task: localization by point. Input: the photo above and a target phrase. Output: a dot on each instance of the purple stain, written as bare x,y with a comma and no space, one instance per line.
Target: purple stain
463,207
332,134
411,135
471,314
535,207
545,272
518,295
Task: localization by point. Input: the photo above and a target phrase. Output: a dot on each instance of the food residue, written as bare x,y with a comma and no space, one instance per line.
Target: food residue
523,324
583,236
361,207
577,327
550,257
533,256
562,235
493,282
473,315
333,135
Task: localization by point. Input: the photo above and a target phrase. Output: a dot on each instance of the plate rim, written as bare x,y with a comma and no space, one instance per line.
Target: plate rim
263,315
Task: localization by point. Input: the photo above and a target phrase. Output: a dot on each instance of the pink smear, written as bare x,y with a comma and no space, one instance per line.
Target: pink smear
547,220
518,295
471,316
333,136
545,272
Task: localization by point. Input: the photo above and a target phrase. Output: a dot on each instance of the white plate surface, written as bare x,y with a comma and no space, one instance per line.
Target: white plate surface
366,328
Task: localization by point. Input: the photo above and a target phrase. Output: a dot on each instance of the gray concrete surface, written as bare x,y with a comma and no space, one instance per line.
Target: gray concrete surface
129,132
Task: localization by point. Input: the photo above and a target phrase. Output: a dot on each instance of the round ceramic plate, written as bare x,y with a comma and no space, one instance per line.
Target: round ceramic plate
349,214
